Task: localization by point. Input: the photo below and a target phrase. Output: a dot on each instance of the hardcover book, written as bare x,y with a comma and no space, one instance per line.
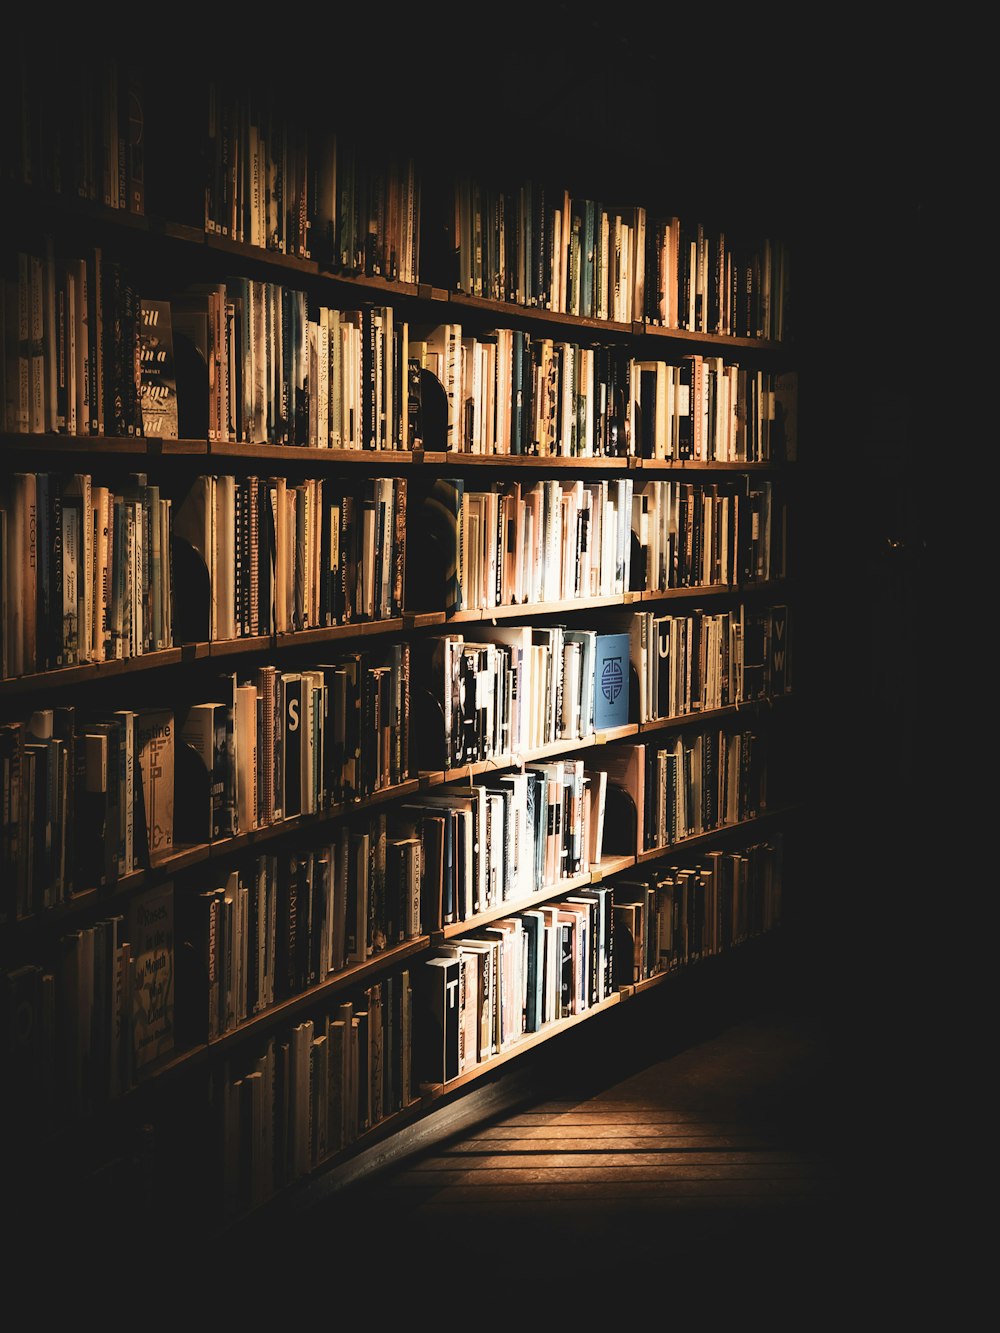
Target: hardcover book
611,681
155,755
151,936
201,762
442,1049
157,381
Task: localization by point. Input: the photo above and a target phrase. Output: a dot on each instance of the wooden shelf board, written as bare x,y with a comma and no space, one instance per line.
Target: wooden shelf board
261,255
486,615
686,719
610,865
694,465
722,340
513,312
309,454
328,633
722,831
433,1092
60,677
438,458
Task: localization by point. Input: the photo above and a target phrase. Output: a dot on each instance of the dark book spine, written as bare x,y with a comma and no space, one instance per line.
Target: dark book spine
45,589
369,731
369,397
265,558
710,780
348,610
239,552
292,756
132,367
324,510
287,927
114,371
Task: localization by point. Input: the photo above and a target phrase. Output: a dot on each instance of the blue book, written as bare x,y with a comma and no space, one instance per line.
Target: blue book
611,681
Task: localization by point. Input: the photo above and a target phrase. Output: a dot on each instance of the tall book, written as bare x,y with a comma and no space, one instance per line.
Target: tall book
611,681
441,1059
158,383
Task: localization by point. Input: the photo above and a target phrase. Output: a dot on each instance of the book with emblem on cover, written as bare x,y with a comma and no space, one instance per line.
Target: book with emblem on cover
611,681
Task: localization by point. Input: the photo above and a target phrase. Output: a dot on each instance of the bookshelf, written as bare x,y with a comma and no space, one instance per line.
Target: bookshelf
315,881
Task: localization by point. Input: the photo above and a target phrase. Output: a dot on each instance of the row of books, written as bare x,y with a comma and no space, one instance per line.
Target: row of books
84,570
87,572
70,343
311,1090
701,779
505,838
184,967
73,126
708,659
83,802
539,246
708,280
88,800
262,555
669,916
122,993
256,171
512,543
690,534
284,922
533,244
254,362
712,410
83,352
367,215
480,994
515,688
271,180
78,1030
81,1030
276,181
509,392
278,744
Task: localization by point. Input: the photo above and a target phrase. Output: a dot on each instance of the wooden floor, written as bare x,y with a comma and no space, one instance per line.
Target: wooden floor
723,1152
649,1173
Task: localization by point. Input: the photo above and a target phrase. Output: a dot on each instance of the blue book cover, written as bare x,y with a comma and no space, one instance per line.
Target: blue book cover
611,681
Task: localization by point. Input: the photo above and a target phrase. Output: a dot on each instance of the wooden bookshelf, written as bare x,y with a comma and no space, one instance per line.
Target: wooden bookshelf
325,856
